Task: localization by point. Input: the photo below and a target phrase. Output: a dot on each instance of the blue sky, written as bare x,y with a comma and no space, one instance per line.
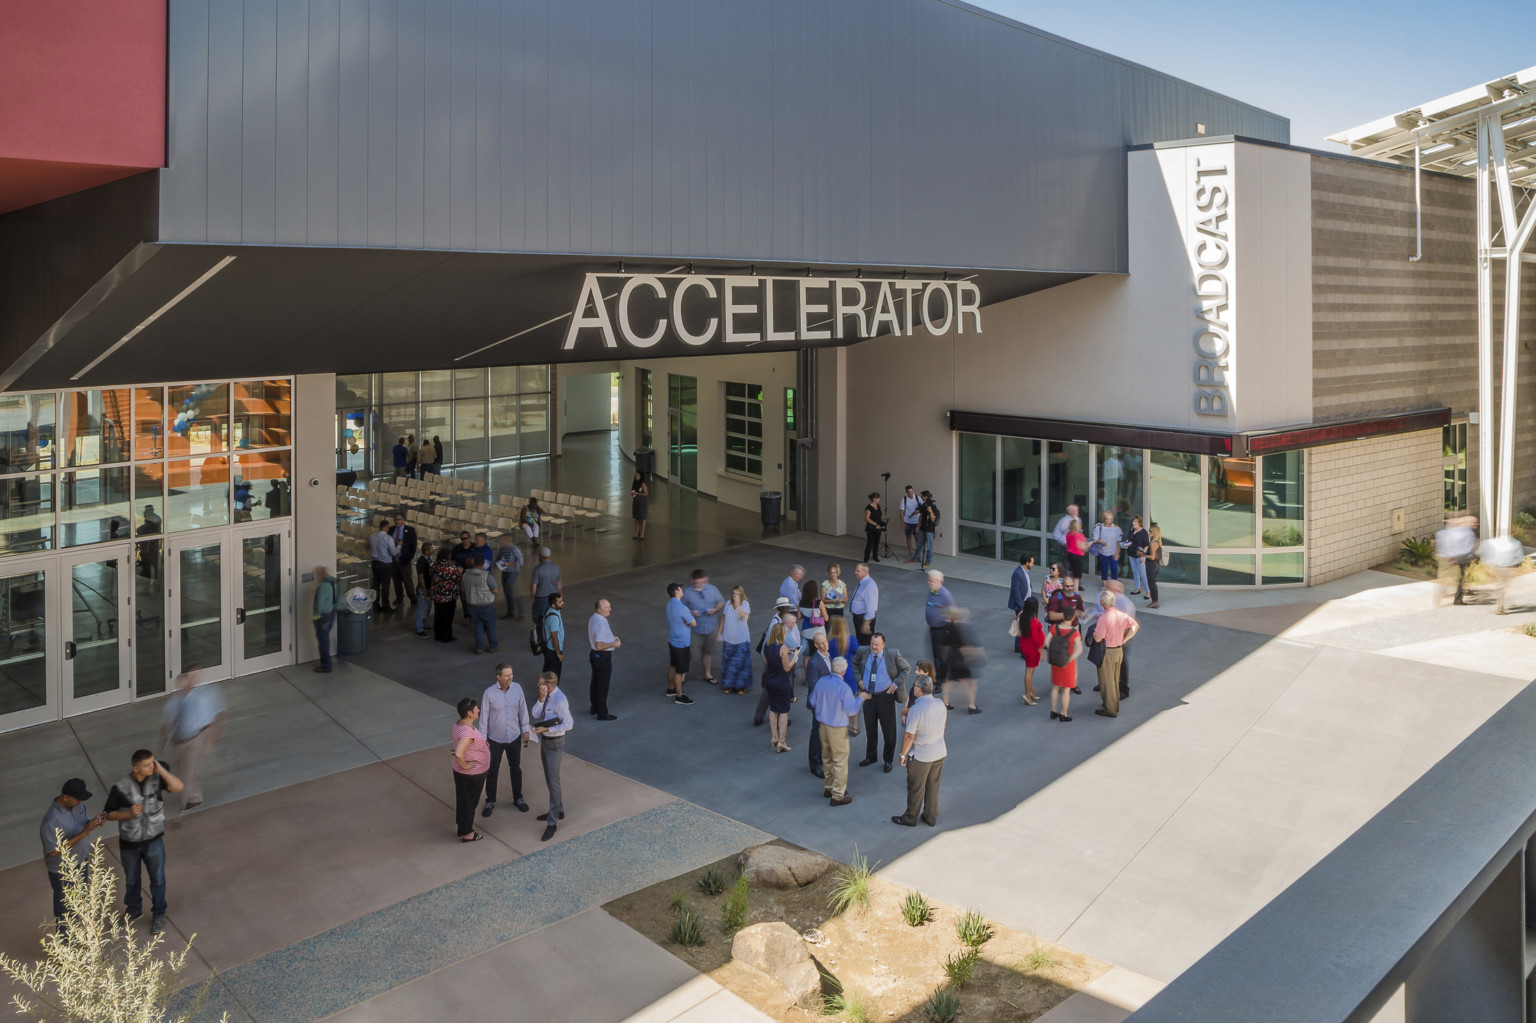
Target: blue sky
1326,66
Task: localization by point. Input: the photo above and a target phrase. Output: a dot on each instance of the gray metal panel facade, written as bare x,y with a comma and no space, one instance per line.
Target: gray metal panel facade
908,132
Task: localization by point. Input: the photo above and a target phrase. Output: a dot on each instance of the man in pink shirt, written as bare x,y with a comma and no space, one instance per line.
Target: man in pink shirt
1115,628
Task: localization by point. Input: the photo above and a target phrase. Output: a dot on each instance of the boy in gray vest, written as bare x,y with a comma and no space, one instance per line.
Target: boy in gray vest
137,803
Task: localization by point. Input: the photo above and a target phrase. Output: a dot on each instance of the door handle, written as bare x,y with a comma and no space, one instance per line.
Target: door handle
239,616
69,650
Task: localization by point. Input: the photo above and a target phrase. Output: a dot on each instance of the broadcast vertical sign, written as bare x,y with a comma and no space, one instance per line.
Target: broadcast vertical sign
1208,234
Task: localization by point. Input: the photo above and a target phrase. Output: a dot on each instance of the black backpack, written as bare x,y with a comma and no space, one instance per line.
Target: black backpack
1059,650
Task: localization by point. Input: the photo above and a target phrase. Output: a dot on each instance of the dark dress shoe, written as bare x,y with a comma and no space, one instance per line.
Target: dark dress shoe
818,772
521,806
1063,719
904,823
1097,689
549,833
826,793
841,802
607,717
1101,712
545,816
1055,715
1077,690
867,761
974,710
887,767
490,805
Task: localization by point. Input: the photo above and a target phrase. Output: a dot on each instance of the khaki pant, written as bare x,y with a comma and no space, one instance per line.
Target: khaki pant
923,791
1109,679
834,758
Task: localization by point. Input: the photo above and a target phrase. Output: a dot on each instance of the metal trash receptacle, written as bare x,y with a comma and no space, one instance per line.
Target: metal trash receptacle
773,507
352,633
645,460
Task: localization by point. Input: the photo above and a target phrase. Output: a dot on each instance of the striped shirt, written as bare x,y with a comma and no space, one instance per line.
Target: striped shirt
477,755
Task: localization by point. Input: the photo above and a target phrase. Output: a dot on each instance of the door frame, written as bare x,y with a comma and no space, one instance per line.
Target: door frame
175,543
65,601
283,527
53,643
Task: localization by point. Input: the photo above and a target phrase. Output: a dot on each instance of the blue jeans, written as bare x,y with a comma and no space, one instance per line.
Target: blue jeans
1139,573
323,626
485,626
1109,567
509,587
151,857
924,547
56,882
423,609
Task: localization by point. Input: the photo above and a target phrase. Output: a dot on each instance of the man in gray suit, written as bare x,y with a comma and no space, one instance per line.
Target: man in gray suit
883,673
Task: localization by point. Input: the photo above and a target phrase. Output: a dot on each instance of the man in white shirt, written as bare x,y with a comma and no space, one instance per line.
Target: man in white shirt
923,751
1060,532
504,722
383,550
909,505
602,642
551,720
864,605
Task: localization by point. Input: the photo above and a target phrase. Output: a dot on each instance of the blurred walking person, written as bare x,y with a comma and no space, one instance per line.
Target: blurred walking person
935,614
193,719
1456,544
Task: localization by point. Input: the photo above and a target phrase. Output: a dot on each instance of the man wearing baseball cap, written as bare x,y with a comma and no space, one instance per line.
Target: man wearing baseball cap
66,815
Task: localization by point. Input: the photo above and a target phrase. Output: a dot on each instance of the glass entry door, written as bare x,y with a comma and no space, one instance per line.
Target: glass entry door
263,598
683,431
28,694
96,663
197,607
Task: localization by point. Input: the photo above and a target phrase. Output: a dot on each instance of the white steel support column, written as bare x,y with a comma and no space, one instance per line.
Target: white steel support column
1517,232
1485,448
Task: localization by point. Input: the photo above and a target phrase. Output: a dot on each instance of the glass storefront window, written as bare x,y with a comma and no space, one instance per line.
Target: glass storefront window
395,421
504,380
1119,475
1173,489
469,437
980,542
397,387
1066,481
532,378
1229,502
1021,483
504,443
26,432
534,434
1183,567
93,427
263,414
199,419
978,478
198,493
1284,521
148,422
353,442
148,500
94,506
26,514
23,660
436,384
1016,545
263,485
1229,569
1285,568
469,383
355,389
437,426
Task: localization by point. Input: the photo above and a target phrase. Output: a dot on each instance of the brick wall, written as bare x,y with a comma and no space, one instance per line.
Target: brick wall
1352,491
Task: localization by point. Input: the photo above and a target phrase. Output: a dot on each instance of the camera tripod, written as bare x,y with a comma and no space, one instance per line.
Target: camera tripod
885,550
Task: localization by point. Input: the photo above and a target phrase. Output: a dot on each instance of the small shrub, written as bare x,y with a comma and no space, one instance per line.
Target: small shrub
733,912
714,881
851,889
1524,521
973,929
686,929
960,967
850,1005
915,910
1529,630
1419,550
678,901
1039,961
942,1006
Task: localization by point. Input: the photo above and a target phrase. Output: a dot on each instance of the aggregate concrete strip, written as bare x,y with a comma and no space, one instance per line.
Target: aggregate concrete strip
358,960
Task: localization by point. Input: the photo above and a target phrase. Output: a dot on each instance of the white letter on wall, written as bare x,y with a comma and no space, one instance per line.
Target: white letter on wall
949,308
967,300
855,288
885,311
626,329
683,286
591,294
806,309
732,310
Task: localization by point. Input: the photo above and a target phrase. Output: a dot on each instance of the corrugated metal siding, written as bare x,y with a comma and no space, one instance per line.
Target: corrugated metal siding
855,131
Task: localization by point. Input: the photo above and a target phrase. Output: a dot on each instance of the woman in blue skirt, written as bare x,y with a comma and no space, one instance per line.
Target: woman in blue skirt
736,644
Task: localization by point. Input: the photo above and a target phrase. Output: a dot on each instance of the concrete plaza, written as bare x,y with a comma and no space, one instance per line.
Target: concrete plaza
1242,757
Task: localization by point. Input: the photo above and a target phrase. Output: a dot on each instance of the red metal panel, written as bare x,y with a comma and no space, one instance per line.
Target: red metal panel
82,94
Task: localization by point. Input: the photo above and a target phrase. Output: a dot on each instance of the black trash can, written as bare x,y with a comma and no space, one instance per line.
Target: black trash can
773,507
352,632
645,460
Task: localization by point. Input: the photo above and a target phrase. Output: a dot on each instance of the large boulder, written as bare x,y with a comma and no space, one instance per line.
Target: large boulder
778,951
780,866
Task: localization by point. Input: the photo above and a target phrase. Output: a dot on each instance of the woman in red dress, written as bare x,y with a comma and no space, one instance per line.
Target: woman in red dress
1031,643
1064,677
